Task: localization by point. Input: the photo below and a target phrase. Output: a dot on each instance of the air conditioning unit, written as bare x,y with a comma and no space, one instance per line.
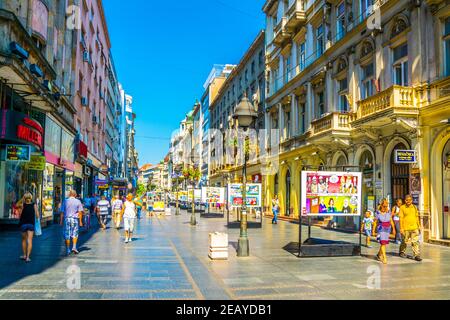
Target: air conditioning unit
86,56
18,50
63,90
84,101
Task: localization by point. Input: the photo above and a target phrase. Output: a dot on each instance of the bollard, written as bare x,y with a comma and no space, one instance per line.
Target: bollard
218,246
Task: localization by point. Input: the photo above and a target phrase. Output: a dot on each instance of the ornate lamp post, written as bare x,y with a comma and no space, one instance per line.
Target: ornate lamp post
245,114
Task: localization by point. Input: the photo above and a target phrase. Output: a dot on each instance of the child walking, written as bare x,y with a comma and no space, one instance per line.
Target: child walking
367,227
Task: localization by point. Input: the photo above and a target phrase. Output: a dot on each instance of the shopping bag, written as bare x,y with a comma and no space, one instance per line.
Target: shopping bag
37,227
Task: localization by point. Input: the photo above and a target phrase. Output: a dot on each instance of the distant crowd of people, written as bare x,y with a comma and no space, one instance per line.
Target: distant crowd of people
76,213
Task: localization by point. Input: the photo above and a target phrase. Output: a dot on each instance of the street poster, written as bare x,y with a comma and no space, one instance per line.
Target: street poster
17,153
253,195
197,195
331,193
213,195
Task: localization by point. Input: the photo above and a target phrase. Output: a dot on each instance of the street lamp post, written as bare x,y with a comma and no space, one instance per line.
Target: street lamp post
177,210
245,114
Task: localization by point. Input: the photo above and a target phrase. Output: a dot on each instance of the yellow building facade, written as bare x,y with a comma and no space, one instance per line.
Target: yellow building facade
349,84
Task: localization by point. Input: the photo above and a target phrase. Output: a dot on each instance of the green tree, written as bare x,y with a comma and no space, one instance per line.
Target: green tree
141,189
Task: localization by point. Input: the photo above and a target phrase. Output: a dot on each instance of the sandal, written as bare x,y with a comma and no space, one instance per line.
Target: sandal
28,260
23,258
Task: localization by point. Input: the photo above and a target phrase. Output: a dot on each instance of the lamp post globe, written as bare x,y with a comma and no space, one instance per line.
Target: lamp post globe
245,114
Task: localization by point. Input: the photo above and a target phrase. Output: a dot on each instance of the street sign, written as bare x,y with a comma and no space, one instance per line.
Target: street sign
17,153
405,156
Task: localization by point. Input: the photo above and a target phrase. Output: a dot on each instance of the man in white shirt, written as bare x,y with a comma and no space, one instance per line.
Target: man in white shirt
102,211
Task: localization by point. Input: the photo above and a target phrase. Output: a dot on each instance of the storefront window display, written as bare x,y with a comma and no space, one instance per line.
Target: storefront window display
17,181
69,185
366,164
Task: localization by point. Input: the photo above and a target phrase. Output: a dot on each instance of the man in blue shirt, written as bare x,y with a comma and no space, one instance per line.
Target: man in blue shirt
72,217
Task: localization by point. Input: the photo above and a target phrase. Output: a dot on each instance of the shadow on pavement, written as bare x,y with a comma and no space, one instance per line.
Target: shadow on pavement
48,250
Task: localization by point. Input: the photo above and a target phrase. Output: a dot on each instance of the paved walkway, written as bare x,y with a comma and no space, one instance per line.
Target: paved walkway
168,259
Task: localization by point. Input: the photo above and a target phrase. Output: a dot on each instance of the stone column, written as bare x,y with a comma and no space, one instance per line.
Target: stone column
281,122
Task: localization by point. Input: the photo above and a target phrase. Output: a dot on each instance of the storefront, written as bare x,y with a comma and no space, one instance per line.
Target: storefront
60,167
21,140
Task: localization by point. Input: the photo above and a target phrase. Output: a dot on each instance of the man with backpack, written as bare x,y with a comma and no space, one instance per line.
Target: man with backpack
410,228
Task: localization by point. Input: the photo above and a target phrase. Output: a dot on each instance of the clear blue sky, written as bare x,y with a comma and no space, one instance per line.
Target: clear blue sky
164,51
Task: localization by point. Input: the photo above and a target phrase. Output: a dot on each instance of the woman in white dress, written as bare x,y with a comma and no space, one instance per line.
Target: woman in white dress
129,217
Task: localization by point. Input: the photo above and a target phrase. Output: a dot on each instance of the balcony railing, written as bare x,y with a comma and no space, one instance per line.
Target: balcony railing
397,98
335,121
281,32
296,14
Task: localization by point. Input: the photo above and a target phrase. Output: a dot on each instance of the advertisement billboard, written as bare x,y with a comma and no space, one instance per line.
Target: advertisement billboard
331,193
213,195
253,195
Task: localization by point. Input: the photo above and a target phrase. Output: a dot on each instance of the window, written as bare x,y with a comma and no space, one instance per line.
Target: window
253,67
343,90
366,9
287,69
367,78
447,47
302,56
340,20
302,118
287,124
320,105
319,41
400,65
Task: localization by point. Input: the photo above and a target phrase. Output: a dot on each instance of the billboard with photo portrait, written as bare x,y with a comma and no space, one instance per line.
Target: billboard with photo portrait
331,193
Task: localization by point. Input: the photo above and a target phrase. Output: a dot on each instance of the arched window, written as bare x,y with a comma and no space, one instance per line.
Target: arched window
366,49
400,25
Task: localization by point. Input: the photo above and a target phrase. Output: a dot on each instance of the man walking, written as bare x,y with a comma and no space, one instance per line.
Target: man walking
117,206
410,228
72,217
102,211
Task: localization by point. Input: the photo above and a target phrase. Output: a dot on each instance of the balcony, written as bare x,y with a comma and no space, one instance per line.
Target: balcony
333,125
393,102
281,32
296,15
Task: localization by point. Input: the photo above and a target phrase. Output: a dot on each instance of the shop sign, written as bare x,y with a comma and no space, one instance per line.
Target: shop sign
37,163
87,171
106,186
104,169
18,126
17,153
101,182
82,150
405,156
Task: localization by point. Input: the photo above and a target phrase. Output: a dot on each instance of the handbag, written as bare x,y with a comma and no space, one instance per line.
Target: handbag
37,227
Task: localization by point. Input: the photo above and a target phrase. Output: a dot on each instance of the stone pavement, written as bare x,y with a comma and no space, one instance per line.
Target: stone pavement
168,259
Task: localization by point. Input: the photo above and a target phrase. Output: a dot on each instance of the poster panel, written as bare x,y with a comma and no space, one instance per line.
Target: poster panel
253,195
197,195
213,195
331,193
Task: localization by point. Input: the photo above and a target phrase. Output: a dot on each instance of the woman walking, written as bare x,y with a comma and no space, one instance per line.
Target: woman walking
129,216
384,220
27,222
396,218
275,209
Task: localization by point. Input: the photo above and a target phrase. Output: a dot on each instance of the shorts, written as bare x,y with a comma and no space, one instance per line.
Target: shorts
71,227
368,232
128,224
150,208
26,227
